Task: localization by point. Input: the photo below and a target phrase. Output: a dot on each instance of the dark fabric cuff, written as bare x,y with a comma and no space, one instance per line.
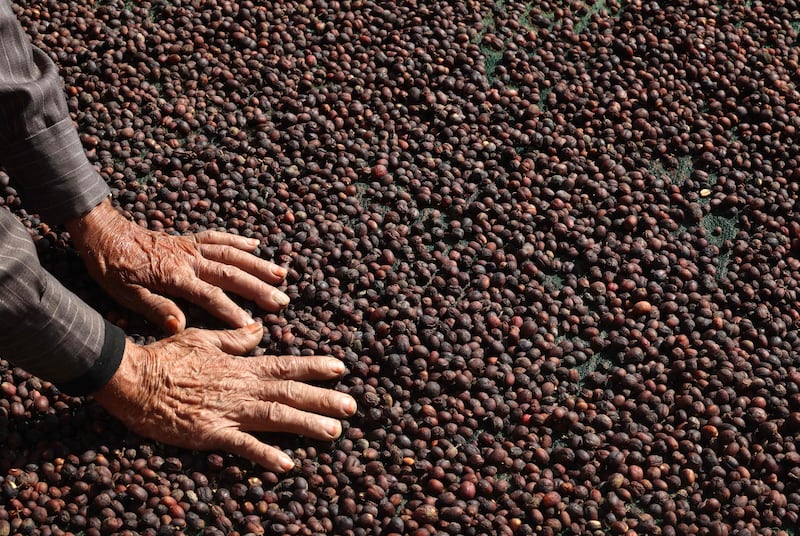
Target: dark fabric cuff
103,368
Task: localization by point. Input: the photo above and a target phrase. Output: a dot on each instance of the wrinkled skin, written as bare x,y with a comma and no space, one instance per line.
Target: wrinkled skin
139,268
190,390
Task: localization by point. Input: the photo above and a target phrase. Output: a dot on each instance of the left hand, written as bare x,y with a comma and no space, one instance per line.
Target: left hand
192,390
139,267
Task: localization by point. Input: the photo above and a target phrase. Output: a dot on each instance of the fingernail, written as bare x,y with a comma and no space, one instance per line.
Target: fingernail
349,405
253,326
280,298
172,324
279,271
334,428
287,464
337,367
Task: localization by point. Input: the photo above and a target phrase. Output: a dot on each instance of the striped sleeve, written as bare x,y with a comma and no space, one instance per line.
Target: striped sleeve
44,328
39,146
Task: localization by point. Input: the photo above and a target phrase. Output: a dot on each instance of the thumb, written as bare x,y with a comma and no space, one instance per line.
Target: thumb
237,341
157,309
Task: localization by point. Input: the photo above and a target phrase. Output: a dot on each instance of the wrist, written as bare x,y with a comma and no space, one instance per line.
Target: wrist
118,394
100,219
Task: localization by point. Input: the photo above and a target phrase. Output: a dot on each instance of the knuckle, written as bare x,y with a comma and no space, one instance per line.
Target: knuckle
229,440
210,237
280,367
215,294
176,276
286,390
190,333
274,412
193,336
224,254
228,271
239,441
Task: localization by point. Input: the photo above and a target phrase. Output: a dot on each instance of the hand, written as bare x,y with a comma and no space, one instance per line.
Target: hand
189,391
136,266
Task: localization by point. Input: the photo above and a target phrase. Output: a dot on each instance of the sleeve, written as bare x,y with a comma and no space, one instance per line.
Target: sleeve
39,146
44,328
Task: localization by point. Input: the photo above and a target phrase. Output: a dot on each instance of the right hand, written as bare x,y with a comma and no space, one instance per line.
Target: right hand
190,390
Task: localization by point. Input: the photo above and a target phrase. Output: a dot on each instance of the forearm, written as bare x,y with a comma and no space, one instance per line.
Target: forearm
44,328
39,146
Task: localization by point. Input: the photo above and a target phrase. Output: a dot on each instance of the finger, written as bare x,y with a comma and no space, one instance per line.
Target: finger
263,270
215,301
300,396
235,341
244,445
159,310
234,280
226,239
300,368
270,416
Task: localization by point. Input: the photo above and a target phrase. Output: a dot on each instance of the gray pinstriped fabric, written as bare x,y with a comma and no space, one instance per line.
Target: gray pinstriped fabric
44,328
